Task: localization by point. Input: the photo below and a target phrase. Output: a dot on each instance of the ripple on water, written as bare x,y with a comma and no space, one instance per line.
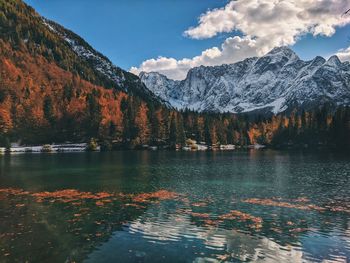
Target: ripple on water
176,209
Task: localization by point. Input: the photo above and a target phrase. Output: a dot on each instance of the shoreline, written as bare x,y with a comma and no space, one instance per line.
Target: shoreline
87,147
83,148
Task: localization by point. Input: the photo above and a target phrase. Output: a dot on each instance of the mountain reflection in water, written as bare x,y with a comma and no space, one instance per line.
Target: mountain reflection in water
175,207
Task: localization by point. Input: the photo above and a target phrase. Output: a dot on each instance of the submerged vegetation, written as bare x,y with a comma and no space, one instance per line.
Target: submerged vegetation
197,203
149,202
91,217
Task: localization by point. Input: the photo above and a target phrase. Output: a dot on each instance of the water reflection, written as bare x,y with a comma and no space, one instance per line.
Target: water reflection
159,232
175,207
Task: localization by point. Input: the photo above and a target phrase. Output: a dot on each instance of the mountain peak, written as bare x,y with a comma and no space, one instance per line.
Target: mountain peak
153,75
334,61
284,51
272,83
146,74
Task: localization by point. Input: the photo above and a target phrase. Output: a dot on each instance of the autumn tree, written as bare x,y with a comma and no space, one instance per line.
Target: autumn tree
142,125
93,114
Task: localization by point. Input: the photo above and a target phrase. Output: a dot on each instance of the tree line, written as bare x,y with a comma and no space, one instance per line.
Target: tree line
49,94
138,123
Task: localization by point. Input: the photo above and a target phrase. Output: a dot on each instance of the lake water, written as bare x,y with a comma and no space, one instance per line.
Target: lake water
242,206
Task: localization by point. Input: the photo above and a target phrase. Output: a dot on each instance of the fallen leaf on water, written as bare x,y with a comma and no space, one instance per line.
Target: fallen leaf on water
302,200
13,191
136,206
243,217
70,195
200,204
270,202
200,215
160,195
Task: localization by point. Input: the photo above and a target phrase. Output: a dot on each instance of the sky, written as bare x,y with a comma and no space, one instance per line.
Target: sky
172,36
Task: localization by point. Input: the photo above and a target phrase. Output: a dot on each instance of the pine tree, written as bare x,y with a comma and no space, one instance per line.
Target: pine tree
207,132
172,131
48,109
180,131
94,114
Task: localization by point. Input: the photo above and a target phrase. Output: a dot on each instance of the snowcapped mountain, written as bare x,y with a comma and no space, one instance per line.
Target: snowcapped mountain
83,50
276,82
119,78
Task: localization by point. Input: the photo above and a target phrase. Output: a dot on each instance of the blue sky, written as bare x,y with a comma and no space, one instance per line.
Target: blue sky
130,32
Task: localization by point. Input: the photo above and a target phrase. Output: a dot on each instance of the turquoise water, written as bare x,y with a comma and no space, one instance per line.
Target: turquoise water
243,206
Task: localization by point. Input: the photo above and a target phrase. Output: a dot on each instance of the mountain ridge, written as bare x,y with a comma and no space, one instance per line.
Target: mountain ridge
54,87
51,88
275,82
121,79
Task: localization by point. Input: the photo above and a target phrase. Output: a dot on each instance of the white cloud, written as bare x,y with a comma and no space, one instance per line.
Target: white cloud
281,20
233,49
344,54
264,25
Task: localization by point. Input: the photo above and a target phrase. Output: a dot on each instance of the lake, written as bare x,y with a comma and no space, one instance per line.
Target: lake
163,206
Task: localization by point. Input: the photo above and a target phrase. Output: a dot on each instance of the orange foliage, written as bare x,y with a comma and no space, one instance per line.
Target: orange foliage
253,134
270,202
70,195
160,195
13,191
268,129
240,216
141,122
5,118
26,80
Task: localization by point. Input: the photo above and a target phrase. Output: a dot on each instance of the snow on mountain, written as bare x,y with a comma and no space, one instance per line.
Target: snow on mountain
83,50
121,79
276,82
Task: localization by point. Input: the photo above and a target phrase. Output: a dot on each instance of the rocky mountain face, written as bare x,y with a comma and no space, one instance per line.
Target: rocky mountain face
277,82
55,87
118,77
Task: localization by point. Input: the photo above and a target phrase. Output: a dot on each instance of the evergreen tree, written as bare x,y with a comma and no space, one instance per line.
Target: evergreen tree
48,110
207,132
180,131
94,114
172,131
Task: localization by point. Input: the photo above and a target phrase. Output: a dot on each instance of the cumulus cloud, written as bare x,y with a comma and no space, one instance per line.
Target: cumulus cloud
233,49
264,25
